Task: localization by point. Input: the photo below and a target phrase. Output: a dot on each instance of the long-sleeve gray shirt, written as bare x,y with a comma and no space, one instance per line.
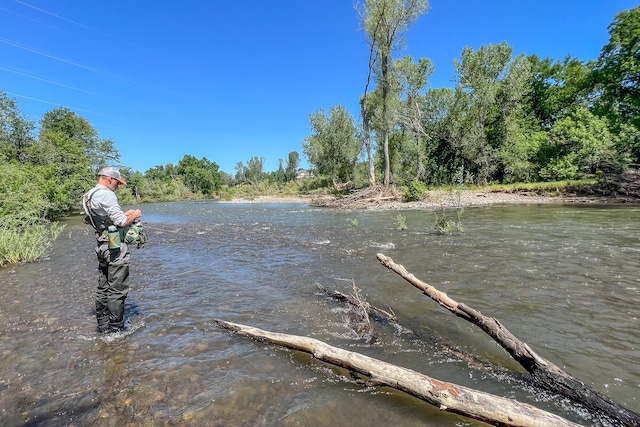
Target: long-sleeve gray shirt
104,202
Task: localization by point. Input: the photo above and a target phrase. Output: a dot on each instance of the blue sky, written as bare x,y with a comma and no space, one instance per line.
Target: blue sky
230,80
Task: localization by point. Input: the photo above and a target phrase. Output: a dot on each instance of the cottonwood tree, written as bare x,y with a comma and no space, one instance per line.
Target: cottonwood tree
493,84
413,78
554,88
293,161
617,71
617,80
334,147
386,23
254,170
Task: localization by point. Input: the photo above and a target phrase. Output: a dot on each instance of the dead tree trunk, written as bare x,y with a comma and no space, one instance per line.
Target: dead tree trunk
448,397
544,373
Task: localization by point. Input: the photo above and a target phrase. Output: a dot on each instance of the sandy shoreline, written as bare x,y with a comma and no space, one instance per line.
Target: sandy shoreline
436,199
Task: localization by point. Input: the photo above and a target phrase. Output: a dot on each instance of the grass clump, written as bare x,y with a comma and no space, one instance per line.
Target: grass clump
401,222
26,242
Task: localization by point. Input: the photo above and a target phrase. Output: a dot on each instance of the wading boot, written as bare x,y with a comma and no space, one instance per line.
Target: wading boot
103,324
116,327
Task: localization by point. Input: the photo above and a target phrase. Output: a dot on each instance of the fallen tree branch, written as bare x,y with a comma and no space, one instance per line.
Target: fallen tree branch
544,373
392,319
350,299
446,396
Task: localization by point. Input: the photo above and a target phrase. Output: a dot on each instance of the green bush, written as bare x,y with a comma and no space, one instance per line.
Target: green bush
445,225
415,191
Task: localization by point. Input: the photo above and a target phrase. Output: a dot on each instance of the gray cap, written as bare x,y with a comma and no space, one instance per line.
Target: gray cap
113,173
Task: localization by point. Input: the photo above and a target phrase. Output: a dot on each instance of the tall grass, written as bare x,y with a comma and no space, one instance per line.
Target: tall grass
26,242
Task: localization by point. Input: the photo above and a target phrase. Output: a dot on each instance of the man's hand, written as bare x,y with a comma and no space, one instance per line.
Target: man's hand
132,215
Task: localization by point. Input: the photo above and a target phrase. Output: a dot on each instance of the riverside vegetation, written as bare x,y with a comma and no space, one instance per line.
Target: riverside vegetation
510,124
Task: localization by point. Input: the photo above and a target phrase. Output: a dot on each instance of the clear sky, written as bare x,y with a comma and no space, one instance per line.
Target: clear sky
229,80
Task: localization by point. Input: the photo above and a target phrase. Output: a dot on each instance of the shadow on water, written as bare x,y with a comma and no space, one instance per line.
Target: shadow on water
561,278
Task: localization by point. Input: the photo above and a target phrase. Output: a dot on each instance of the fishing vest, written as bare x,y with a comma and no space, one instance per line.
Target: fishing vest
131,234
99,222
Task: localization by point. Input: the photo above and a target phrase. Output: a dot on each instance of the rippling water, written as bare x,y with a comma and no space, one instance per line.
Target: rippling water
564,279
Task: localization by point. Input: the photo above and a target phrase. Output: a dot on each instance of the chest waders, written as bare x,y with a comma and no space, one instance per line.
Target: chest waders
113,268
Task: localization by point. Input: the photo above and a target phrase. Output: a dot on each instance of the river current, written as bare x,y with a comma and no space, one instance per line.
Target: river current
562,278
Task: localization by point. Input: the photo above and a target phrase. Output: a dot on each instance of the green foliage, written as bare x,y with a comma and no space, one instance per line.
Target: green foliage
16,132
386,22
22,193
520,154
401,222
25,242
333,148
445,225
413,78
293,161
579,144
494,84
81,137
617,71
554,88
24,233
414,191
200,175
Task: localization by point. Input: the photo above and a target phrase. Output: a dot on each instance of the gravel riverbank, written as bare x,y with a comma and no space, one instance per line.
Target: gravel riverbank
437,199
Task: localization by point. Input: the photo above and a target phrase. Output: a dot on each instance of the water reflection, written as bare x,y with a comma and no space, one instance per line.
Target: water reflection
562,278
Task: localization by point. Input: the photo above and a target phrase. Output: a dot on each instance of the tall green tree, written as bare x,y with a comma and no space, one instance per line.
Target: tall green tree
617,70
240,169
413,79
200,175
62,153
164,173
16,132
334,147
494,84
554,88
293,161
99,152
254,170
386,23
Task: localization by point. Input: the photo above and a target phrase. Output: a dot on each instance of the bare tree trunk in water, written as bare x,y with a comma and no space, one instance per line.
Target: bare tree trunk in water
544,373
446,396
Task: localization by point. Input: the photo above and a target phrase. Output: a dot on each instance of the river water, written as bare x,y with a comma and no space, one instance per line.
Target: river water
562,278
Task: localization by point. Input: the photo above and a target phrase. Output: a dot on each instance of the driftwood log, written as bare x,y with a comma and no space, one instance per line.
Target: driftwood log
448,397
544,373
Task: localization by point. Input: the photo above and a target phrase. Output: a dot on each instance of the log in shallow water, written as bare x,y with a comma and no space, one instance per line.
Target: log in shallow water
544,373
446,396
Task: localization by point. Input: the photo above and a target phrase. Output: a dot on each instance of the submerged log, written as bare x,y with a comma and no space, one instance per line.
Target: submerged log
448,397
544,373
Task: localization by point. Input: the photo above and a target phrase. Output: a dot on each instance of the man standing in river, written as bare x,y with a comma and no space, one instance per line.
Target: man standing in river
107,218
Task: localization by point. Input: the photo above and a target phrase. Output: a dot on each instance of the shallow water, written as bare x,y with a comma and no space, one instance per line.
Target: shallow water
564,279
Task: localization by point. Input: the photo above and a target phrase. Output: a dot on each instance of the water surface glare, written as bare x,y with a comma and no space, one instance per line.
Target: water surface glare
562,278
